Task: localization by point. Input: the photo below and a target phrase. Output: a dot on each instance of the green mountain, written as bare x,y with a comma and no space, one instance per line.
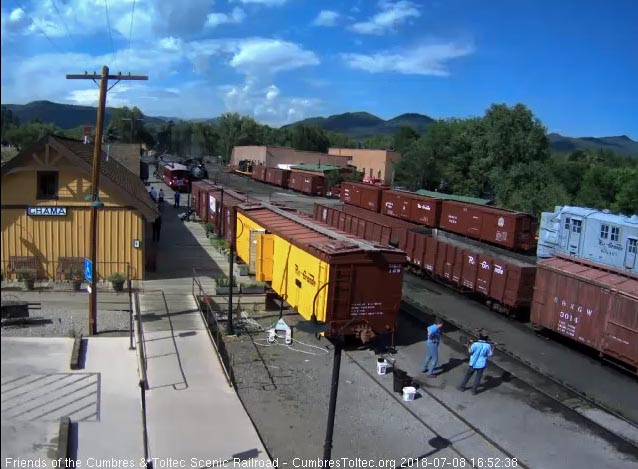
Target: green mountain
362,125
65,116
622,144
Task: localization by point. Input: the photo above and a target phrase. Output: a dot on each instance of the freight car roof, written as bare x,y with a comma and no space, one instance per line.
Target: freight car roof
460,198
305,232
482,248
619,282
489,209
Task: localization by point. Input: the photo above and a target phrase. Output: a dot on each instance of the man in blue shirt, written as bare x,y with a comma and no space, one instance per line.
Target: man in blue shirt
479,351
432,352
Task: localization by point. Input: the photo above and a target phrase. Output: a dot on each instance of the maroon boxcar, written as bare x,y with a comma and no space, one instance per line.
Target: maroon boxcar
505,278
413,207
277,176
259,173
307,183
221,212
335,217
513,230
362,195
199,197
589,304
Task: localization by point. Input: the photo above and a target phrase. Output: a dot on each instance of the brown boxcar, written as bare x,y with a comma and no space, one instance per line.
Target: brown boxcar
589,304
413,207
363,282
360,227
277,176
221,207
259,173
199,197
362,195
513,230
399,228
307,183
500,275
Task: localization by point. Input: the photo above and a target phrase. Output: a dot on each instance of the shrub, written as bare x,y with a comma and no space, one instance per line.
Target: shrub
209,227
26,276
224,281
117,277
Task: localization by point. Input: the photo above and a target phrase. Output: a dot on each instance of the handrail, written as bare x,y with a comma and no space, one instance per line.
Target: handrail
141,347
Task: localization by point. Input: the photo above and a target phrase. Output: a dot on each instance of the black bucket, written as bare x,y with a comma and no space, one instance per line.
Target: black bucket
399,377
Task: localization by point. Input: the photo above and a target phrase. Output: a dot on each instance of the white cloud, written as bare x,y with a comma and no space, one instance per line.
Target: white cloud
389,18
235,17
422,60
269,3
265,103
326,18
271,55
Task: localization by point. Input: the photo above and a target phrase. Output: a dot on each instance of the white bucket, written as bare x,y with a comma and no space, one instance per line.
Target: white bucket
408,393
382,366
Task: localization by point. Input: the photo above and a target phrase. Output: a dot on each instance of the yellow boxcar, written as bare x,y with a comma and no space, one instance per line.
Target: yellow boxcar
353,285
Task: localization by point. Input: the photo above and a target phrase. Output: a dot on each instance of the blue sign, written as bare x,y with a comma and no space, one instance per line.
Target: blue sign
88,270
46,211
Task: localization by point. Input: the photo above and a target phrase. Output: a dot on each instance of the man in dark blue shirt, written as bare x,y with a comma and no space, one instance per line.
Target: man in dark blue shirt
479,351
432,352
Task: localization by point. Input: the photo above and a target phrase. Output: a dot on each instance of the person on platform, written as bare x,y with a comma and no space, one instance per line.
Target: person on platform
153,194
157,228
176,197
479,352
160,199
432,351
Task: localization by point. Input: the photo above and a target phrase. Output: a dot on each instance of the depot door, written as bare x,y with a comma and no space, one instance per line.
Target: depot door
630,253
575,228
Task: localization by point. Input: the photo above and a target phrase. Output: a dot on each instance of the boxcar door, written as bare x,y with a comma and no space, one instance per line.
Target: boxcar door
252,250
630,253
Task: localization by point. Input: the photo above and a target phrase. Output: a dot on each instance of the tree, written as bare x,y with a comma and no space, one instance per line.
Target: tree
404,139
309,138
381,142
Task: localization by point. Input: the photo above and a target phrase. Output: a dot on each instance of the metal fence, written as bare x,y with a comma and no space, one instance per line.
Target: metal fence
212,315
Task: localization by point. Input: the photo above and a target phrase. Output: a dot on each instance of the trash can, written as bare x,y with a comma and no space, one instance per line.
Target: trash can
398,378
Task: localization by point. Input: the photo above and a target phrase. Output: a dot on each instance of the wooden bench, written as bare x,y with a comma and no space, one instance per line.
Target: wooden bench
23,265
69,264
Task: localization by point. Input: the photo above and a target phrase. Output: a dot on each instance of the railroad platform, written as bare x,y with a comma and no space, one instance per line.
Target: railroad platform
192,410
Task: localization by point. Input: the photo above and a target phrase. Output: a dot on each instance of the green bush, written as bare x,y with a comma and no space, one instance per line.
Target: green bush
224,281
26,276
209,227
117,277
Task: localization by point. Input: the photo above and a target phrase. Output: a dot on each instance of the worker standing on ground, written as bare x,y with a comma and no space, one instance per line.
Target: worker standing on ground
160,201
176,196
153,194
479,351
157,227
432,352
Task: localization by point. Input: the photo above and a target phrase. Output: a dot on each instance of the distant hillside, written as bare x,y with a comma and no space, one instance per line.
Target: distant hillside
622,144
362,125
65,116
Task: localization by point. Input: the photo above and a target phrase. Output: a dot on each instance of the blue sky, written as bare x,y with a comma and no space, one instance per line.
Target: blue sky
574,63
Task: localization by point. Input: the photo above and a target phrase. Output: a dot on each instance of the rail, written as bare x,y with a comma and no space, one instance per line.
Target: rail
141,346
215,330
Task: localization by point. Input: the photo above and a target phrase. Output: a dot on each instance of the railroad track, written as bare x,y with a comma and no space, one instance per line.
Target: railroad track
559,392
438,442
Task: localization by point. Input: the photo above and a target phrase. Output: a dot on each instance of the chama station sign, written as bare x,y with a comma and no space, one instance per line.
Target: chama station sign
46,211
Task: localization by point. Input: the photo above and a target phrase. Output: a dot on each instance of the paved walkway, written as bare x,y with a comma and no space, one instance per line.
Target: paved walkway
192,411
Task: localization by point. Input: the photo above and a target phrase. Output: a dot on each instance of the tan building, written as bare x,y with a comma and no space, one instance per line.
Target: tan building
273,157
374,164
46,212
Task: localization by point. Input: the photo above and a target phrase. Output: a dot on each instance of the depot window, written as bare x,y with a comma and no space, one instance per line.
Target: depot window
632,246
604,231
47,185
567,223
615,233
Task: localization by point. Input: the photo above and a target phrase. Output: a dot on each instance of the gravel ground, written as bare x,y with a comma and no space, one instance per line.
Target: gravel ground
65,313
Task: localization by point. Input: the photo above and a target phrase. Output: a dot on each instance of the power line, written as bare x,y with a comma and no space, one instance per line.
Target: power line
108,22
130,33
68,32
55,46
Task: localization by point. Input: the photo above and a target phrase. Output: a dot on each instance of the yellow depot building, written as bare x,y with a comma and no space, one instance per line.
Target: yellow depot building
46,212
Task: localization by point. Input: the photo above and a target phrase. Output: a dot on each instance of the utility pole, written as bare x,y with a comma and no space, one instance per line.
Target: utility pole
95,179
